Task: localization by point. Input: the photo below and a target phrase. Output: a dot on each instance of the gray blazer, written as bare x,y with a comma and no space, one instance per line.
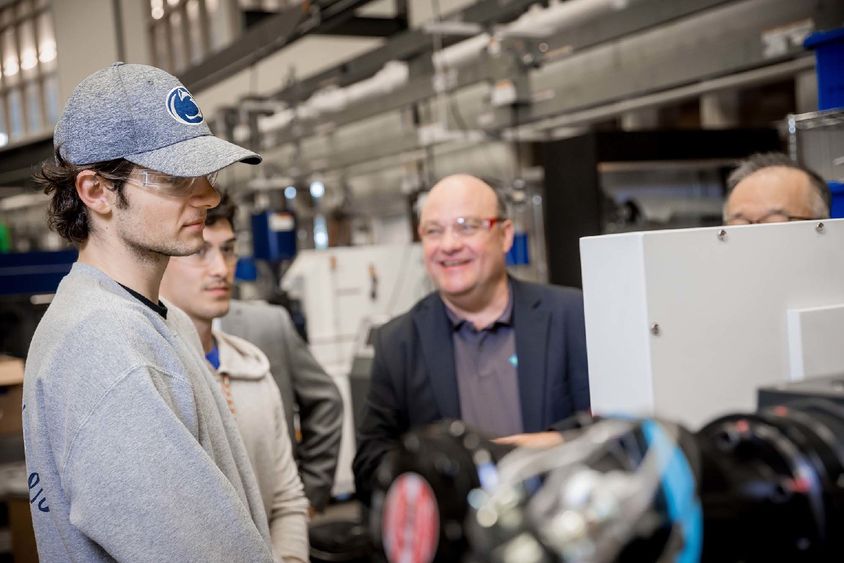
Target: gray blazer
305,388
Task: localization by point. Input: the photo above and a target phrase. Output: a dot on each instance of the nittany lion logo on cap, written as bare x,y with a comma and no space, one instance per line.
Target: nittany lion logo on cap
182,108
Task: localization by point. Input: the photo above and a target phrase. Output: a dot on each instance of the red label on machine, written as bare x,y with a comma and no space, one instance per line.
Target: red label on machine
411,523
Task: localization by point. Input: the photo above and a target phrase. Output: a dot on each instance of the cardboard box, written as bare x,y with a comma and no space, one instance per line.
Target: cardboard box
11,395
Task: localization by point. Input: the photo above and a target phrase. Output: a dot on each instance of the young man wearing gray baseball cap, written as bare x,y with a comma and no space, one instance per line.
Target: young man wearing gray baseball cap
131,451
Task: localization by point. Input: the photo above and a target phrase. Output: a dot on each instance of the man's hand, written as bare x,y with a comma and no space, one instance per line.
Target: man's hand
532,439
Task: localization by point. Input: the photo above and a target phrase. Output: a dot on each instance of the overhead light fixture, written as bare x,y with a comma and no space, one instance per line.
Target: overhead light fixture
317,189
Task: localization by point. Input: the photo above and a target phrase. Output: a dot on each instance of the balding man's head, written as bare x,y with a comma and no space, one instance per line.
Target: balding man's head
465,237
460,185
771,188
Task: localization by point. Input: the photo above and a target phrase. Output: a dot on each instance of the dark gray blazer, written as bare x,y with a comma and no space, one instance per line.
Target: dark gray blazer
305,388
414,381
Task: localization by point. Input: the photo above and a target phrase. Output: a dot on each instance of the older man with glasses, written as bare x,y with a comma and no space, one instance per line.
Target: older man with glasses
506,356
772,188
132,453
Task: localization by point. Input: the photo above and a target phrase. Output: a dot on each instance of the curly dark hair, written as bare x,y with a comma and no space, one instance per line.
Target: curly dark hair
67,214
225,210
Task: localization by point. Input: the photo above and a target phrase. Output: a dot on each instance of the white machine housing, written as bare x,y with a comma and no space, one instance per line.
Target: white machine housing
688,324
342,288
344,291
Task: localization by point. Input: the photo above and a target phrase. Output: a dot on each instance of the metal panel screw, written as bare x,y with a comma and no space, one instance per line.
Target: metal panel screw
722,235
655,329
819,227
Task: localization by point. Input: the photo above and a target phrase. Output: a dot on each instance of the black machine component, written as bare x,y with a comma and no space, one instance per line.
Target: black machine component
767,486
830,388
773,484
419,501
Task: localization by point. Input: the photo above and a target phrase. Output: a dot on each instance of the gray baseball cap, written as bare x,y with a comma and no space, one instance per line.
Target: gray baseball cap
145,115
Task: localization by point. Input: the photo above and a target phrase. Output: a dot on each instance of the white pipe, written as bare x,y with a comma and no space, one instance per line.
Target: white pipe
560,15
461,53
332,99
393,75
537,22
327,100
278,120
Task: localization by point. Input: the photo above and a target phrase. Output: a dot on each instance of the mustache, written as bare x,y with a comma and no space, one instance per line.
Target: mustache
217,283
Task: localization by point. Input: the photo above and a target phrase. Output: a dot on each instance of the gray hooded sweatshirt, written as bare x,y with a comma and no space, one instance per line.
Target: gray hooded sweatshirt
131,451
260,417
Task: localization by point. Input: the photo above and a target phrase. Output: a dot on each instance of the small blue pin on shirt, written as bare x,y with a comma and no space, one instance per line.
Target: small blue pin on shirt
514,360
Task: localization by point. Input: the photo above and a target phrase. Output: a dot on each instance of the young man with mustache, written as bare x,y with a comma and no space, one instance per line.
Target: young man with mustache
201,285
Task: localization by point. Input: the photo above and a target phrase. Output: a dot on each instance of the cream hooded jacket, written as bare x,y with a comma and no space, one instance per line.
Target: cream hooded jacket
260,417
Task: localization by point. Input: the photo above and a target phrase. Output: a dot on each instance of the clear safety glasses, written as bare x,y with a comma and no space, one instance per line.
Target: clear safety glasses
173,186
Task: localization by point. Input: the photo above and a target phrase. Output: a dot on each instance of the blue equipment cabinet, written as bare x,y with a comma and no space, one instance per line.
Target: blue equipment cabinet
274,235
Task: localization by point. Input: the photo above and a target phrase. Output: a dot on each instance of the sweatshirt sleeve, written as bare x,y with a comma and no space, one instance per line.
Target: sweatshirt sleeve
141,486
320,413
288,514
